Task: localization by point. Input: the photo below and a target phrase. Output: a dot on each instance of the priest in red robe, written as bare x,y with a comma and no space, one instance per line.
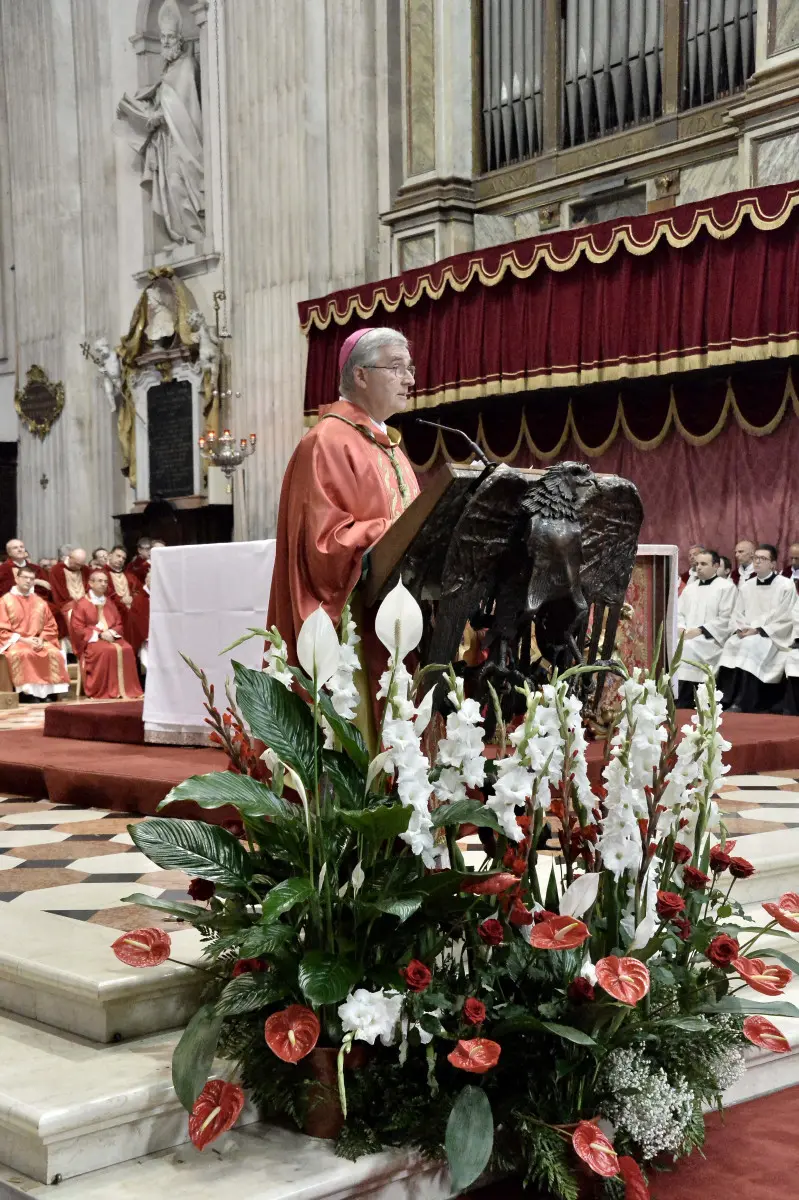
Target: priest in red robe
29,641
139,621
107,661
345,484
18,557
68,580
123,585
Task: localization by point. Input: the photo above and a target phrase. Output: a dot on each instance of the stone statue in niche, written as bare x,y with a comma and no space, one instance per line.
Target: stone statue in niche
208,352
168,118
161,314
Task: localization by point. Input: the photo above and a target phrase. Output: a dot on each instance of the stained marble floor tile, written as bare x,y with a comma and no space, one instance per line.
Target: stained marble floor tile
81,896
133,863
29,837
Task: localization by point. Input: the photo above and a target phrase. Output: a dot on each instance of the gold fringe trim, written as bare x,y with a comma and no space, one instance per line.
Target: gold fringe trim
523,259
672,420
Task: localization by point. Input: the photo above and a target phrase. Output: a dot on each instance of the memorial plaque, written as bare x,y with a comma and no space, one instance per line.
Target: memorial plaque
40,402
171,439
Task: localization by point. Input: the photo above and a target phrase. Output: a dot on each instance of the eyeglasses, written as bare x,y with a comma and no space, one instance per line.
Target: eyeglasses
396,369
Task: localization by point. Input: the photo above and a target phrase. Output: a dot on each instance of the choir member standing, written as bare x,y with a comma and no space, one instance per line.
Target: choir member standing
752,665
139,565
705,621
124,585
107,662
29,641
139,622
68,581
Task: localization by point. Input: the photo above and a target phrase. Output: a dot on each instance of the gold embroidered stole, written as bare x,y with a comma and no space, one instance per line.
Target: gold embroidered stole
389,451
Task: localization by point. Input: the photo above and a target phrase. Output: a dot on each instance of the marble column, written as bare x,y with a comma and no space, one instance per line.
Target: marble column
303,153
60,108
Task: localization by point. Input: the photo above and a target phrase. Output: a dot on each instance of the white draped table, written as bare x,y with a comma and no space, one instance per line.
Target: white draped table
201,599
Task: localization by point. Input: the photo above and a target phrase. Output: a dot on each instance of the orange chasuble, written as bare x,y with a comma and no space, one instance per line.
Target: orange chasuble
39,672
108,668
345,484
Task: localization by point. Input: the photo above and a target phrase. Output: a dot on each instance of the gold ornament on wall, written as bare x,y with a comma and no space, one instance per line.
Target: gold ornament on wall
39,403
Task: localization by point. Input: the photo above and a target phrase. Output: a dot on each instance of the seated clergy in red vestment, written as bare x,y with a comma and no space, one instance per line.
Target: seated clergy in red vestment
29,641
68,581
345,484
139,622
18,557
107,662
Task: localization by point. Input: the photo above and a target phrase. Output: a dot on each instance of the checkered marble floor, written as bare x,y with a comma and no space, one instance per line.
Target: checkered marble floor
82,863
79,863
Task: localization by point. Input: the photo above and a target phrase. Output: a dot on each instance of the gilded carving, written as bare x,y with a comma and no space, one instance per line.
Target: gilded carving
40,403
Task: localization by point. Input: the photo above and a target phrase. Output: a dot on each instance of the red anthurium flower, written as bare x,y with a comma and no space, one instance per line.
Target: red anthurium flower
770,980
761,1032
476,1055
626,979
490,885
559,933
786,911
215,1110
292,1033
594,1148
635,1187
143,947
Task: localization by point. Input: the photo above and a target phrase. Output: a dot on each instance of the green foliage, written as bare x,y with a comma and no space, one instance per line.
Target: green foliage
469,1137
326,978
207,851
281,719
186,912
250,993
194,1055
547,1161
251,798
283,896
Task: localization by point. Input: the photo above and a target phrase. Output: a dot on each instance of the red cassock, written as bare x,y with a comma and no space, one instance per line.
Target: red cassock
139,619
122,587
38,671
108,668
68,586
8,578
139,567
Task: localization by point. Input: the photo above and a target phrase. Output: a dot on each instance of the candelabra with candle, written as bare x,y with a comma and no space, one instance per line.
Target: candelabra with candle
221,450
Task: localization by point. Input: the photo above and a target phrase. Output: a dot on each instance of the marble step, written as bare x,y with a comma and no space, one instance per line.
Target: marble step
257,1162
69,1106
62,972
766,1071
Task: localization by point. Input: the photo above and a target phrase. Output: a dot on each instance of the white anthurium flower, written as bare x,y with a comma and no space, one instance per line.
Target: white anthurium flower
399,623
377,765
358,878
580,895
342,891
644,931
425,711
272,760
322,874
318,649
588,970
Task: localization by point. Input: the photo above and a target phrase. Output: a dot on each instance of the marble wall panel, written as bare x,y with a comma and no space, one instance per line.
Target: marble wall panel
708,179
419,251
776,160
783,26
421,85
492,229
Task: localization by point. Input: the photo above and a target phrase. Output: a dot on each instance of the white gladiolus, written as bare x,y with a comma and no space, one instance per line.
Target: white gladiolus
405,758
398,623
318,650
371,1015
341,685
276,662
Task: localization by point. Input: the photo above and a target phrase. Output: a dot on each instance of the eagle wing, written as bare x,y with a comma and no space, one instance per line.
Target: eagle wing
611,515
479,542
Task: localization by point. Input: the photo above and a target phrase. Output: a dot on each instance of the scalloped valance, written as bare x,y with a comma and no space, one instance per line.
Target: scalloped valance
703,285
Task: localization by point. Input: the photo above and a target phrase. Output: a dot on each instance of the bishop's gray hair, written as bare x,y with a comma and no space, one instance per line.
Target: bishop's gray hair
365,353
64,551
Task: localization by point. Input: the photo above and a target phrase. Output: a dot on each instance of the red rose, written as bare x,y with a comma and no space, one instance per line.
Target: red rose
669,905
740,868
201,889
681,853
683,927
474,1011
695,879
722,950
542,915
249,966
719,861
491,932
416,975
580,990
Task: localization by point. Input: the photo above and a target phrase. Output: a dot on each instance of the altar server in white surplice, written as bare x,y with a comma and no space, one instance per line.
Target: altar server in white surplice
705,621
753,661
791,708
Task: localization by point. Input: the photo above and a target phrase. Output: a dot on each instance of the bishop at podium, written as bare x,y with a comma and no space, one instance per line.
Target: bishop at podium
345,484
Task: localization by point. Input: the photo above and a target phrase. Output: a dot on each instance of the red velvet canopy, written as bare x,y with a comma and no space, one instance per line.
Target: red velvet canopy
703,285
